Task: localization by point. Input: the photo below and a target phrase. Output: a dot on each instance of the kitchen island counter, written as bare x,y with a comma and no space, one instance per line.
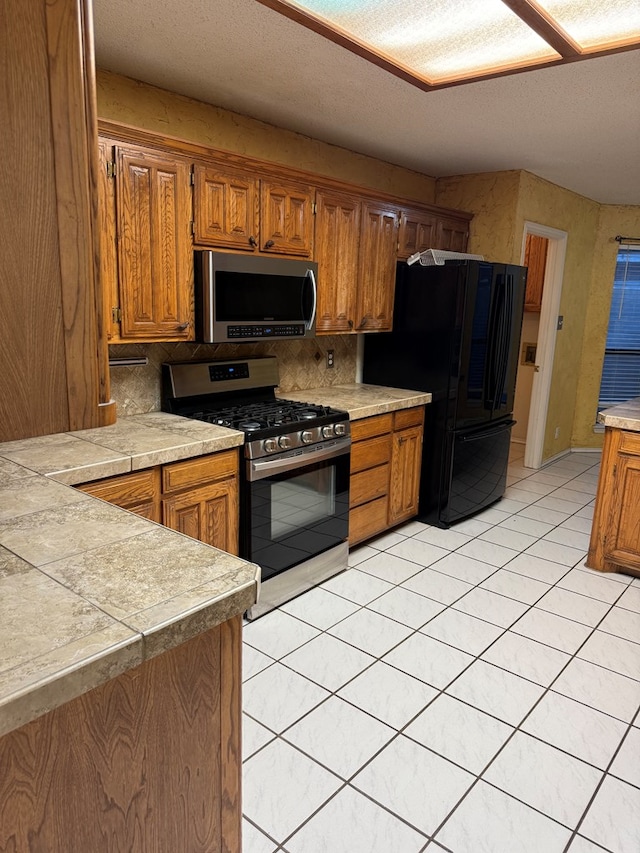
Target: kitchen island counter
615,534
89,590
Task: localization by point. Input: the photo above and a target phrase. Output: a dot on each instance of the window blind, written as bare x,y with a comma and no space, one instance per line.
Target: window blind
621,368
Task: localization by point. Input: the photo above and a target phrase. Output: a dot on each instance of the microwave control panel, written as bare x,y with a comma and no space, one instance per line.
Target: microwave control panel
290,330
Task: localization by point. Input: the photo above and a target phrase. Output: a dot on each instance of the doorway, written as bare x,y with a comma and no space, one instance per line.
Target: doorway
538,340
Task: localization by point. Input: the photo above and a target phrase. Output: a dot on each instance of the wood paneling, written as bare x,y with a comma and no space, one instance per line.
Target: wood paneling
49,342
149,761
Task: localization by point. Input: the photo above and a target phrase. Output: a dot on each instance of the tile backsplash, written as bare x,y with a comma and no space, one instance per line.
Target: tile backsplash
302,364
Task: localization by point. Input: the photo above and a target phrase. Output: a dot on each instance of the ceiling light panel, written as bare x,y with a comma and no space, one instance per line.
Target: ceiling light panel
595,24
439,41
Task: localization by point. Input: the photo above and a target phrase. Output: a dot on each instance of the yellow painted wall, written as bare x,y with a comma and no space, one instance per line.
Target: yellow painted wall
493,199
612,220
547,204
130,102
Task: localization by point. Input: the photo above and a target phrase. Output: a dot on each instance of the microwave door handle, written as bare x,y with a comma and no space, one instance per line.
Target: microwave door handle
310,274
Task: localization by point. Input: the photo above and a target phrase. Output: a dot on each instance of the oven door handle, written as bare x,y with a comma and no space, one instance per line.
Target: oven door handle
260,468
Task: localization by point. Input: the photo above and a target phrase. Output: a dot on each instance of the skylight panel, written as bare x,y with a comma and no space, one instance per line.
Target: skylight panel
596,25
436,43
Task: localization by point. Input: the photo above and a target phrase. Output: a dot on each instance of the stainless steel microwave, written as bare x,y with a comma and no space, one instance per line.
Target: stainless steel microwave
253,297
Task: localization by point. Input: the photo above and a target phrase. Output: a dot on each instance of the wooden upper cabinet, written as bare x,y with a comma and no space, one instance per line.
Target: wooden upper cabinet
452,234
377,267
418,231
535,259
337,239
234,209
286,218
226,208
146,242
107,238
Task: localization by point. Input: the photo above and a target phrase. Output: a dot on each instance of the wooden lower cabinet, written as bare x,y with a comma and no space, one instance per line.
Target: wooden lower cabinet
149,761
198,497
385,471
138,492
615,534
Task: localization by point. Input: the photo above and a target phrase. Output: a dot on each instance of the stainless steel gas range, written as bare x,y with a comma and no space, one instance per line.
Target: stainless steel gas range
294,483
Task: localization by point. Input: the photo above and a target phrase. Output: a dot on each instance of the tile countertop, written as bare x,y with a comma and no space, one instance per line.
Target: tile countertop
361,401
89,590
624,416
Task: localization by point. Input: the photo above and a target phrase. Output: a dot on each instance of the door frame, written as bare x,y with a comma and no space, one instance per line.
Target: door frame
546,344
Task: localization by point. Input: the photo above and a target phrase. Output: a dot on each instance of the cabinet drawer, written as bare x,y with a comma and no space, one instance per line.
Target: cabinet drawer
368,485
369,454
203,469
408,417
126,490
367,427
630,443
367,520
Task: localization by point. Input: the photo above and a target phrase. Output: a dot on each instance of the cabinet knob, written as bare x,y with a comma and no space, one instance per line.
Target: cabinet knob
269,244
363,322
351,324
252,241
182,327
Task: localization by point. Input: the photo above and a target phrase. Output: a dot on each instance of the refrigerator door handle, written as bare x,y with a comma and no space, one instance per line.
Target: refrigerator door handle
494,345
505,341
479,436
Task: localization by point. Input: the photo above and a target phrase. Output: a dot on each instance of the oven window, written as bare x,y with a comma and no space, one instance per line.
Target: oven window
302,501
290,517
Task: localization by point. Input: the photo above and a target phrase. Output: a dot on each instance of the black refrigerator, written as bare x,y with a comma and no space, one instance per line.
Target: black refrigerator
456,333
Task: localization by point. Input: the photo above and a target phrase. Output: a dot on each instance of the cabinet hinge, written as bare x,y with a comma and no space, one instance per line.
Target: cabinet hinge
192,179
615,468
192,228
314,208
116,315
111,169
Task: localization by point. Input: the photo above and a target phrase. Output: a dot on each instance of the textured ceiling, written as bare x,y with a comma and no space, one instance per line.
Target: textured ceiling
576,125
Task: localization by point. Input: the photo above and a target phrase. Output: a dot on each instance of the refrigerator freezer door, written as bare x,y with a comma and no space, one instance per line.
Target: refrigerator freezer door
475,472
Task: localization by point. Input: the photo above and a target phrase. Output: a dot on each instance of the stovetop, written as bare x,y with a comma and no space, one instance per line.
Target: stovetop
240,394
265,415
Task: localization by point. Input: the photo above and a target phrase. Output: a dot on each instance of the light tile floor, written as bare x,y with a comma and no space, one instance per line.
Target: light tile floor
474,690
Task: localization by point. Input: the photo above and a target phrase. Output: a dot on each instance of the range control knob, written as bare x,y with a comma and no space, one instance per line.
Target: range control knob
340,429
328,431
270,445
284,442
306,436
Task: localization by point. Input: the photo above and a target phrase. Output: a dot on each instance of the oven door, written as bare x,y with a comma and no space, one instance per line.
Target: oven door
295,506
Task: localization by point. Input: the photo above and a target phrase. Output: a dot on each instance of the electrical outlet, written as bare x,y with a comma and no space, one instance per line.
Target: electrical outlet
557,433
329,358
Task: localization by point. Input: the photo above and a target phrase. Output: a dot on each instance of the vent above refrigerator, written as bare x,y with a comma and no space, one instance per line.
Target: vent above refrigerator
437,257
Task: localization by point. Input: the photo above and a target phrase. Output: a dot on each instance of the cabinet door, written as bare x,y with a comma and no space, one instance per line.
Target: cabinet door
337,239
209,513
404,489
418,231
226,208
138,492
155,251
452,234
286,218
377,267
622,532
107,238
535,259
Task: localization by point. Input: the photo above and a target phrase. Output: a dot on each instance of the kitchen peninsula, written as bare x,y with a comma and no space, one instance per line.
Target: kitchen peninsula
615,535
120,661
